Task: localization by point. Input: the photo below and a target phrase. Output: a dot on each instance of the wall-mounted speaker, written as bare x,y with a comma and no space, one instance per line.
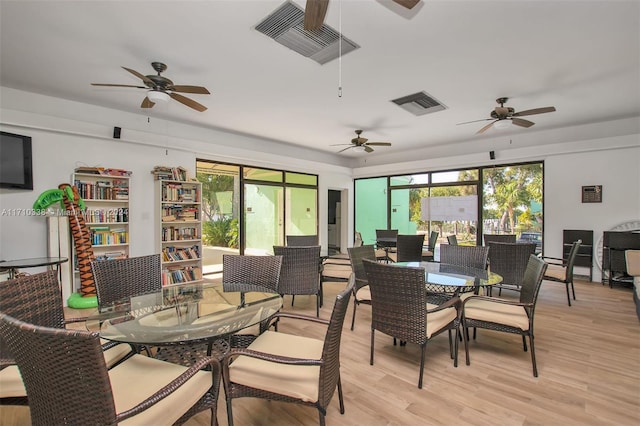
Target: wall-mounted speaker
492,155
116,132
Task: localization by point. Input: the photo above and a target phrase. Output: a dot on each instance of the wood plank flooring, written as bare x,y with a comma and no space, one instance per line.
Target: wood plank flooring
588,362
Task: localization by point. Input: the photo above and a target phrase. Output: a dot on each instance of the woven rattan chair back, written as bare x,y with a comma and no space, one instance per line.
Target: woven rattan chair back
67,380
302,240
409,248
499,238
248,273
452,240
571,260
300,274
468,256
386,233
117,280
356,255
510,261
433,240
531,282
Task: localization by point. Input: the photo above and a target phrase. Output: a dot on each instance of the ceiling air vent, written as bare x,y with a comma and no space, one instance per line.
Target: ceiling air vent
419,103
285,25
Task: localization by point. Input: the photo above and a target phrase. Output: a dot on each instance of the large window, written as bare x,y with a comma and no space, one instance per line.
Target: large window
249,209
465,203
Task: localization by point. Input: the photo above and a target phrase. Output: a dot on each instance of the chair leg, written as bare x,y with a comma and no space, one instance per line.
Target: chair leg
214,418
568,295
353,318
229,412
524,342
455,349
318,305
573,290
321,418
371,357
533,356
424,350
292,299
451,343
340,398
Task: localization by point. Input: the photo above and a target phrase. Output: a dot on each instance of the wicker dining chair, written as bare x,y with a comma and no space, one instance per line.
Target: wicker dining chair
409,248
399,309
468,256
302,240
508,316
80,390
300,274
361,292
117,280
509,260
499,238
383,250
428,253
561,270
37,299
290,368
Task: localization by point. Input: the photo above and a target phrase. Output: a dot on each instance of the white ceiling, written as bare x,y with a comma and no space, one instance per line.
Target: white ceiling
583,57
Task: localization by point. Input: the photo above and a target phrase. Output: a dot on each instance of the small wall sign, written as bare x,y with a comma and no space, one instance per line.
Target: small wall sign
592,194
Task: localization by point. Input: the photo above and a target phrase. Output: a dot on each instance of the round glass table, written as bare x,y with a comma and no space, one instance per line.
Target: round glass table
446,278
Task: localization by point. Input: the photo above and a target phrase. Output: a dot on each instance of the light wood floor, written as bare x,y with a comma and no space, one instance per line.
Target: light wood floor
588,363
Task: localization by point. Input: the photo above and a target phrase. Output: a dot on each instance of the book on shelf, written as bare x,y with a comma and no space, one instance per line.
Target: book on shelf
170,173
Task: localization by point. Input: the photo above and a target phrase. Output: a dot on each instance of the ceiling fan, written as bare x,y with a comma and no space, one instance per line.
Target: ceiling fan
359,143
161,88
505,115
316,10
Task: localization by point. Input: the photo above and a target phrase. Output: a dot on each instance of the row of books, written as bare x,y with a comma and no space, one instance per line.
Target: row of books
116,215
180,193
179,213
172,233
101,236
171,253
169,173
110,255
102,171
103,190
181,275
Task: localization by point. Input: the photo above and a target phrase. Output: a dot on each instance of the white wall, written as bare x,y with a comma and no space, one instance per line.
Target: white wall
61,142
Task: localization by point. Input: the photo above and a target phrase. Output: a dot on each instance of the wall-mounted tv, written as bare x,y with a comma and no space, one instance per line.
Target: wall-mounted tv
15,161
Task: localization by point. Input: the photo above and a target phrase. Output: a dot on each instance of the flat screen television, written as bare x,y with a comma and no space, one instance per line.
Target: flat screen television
15,161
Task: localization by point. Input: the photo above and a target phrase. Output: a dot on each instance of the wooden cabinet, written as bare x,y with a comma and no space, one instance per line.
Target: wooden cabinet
584,258
178,217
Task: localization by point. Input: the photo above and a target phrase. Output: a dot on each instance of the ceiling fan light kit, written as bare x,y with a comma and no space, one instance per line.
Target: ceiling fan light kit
502,124
156,96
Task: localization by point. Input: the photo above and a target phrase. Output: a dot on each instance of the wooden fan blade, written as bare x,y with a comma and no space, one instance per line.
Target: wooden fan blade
522,122
118,85
378,143
144,78
534,111
342,150
340,144
146,103
475,121
190,89
367,148
314,14
188,102
485,128
409,4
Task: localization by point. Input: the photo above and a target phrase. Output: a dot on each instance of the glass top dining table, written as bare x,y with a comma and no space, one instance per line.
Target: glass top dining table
182,314
446,278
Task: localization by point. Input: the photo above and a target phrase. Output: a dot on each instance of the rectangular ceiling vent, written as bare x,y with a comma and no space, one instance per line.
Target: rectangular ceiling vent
419,103
285,25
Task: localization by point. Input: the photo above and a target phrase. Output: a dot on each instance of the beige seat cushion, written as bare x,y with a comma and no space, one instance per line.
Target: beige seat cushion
11,383
436,321
139,377
293,380
500,313
557,272
364,293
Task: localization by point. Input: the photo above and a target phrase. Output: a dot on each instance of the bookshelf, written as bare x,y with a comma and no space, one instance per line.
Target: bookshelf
105,193
179,229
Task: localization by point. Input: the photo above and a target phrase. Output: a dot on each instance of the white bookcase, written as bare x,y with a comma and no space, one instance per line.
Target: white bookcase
106,198
179,219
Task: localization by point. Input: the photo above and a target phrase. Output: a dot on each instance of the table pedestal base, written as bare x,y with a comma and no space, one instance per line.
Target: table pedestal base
76,301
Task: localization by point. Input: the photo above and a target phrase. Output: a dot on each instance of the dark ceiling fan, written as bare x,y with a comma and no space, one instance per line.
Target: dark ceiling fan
503,114
161,88
316,10
361,143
